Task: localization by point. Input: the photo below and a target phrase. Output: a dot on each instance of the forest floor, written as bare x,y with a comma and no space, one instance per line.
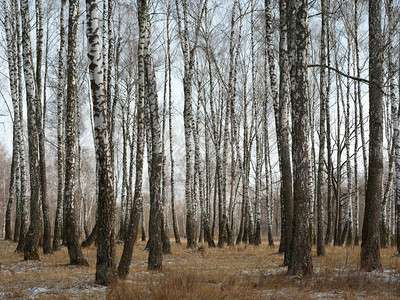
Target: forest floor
240,272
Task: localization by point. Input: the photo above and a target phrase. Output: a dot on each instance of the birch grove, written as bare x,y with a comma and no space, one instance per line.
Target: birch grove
196,124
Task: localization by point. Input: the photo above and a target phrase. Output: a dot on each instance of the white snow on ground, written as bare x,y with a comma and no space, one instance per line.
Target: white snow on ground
78,292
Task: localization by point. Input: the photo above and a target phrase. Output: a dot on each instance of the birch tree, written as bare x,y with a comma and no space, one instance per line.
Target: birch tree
31,246
393,89
171,150
281,124
300,256
60,134
323,97
40,127
132,230
280,109
155,222
72,237
21,222
105,265
370,255
188,51
11,40
257,225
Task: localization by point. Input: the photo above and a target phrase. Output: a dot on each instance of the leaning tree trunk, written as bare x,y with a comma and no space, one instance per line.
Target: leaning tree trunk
300,253
121,234
164,224
132,230
171,151
13,183
105,266
370,255
155,243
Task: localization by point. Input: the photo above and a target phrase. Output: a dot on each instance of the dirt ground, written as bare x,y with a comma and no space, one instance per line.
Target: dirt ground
240,272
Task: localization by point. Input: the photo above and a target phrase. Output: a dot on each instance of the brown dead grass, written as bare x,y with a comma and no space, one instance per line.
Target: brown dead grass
241,272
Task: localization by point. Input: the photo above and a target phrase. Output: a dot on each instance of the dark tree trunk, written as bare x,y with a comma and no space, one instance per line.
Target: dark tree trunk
370,255
286,38
8,233
72,237
300,261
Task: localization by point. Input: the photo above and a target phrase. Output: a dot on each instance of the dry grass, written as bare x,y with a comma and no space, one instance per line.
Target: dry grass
242,272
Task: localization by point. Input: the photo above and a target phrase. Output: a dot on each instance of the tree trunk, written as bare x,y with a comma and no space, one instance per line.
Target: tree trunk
171,151
323,97
188,51
60,133
300,252
348,226
105,266
22,221
282,126
393,88
370,255
328,236
155,221
31,246
132,230
394,114
257,223
268,61
74,249
12,69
